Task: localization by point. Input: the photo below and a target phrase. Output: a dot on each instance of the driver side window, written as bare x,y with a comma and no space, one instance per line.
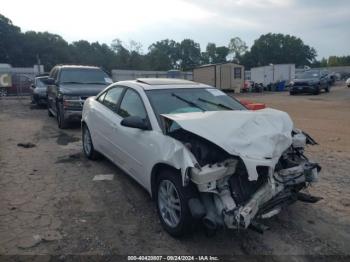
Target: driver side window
111,97
132,105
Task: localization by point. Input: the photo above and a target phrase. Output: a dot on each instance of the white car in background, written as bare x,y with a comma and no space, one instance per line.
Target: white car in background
347,82
199,153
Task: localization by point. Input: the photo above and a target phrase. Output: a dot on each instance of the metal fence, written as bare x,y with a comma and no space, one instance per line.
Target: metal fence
120,75
16,81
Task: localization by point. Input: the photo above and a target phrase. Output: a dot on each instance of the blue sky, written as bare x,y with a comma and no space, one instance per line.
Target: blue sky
322,24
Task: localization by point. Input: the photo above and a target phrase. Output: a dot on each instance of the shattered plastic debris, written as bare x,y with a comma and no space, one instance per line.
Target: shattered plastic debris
103,177
51,235
26,145
30,241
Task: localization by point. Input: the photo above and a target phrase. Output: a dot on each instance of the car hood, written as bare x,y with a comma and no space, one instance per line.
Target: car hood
81,89
263,134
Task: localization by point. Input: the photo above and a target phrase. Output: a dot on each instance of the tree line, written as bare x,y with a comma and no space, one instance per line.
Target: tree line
23,49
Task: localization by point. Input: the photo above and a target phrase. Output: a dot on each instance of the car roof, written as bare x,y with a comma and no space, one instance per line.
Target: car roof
78,66
163,83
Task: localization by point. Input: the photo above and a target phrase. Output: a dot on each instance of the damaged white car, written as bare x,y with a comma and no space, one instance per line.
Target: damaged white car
200,153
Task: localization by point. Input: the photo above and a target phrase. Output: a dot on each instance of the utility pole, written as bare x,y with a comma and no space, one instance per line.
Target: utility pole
38,62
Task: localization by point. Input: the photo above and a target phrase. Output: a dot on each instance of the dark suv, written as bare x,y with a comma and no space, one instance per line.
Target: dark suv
67,88
311,81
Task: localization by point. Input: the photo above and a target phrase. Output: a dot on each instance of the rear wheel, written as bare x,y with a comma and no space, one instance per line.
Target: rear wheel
88,147
172,204
291,93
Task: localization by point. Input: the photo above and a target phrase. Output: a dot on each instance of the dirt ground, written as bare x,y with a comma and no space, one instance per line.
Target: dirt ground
49,203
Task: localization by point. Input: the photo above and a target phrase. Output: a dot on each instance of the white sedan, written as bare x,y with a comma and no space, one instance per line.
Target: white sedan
199,153
347,82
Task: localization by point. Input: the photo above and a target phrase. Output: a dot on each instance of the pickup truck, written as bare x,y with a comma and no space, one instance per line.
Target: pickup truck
68,86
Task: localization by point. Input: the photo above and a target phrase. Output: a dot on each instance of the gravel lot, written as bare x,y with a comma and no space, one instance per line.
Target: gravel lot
49,203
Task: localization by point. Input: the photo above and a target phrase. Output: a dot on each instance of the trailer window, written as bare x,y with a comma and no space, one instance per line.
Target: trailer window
237,72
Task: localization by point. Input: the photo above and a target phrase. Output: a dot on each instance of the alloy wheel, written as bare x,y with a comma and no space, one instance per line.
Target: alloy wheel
169,203
87,142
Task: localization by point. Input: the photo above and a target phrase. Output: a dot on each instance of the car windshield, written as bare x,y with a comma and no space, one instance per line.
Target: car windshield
185,100
309,74
84,76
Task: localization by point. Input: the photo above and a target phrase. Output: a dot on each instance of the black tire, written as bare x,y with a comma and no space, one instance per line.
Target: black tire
317,91
33,102
61,121
3,92
185,219
327,89
91,154
49,113
291,93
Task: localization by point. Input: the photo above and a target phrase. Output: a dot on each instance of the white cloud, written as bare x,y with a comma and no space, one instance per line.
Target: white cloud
322,24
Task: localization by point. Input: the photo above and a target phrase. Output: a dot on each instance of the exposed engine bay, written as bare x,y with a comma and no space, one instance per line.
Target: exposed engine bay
228,196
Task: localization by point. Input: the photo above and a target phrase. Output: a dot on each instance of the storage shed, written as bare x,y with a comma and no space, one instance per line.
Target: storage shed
226,76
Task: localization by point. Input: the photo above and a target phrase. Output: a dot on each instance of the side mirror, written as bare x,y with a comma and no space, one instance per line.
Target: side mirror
49,81
32,86
135,122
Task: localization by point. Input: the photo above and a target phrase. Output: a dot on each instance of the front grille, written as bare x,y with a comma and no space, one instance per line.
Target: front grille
301,84
241,188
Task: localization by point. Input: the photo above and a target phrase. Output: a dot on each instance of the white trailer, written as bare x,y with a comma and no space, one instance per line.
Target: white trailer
273,73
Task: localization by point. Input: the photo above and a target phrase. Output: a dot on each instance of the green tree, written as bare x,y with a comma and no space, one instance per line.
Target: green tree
221,54
279,48
323,62
189,53
339,61
10,42
85,53
52,49
237,47
122,54
209,56
164,55
214,54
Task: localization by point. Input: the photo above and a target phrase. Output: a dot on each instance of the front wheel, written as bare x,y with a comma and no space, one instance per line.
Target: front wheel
88,147
317,91
3,91
172,205
61,121
49,113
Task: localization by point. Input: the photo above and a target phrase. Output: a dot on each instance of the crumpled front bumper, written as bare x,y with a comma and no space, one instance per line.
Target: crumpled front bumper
278,192
280,189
